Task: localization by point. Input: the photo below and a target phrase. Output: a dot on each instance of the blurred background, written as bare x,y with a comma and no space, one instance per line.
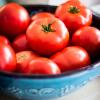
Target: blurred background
92,4
54,2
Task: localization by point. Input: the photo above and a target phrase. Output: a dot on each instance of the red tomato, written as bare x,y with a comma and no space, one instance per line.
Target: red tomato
42,15
23,59
20,43
74,14
14,19
88,38
42,66
4,40
71,58
47,35
7,58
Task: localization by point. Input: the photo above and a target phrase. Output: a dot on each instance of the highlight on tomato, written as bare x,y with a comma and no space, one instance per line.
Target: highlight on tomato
23,58
20,43
7,58
42,15
71,58
47,36
74,14
14,19
4,40
89,38
42,66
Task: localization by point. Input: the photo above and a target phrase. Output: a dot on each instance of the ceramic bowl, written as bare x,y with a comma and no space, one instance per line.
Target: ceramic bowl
49,86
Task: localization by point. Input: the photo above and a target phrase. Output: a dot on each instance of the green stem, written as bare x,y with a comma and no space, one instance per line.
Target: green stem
74,10
47,28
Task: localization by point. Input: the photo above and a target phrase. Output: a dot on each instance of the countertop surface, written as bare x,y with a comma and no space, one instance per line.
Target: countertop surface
91,91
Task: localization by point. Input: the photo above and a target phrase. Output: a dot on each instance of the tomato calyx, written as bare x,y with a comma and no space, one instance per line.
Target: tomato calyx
74,10
47,28
22,58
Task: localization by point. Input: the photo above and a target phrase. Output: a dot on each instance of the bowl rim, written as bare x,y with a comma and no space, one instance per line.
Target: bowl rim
64,74
71,73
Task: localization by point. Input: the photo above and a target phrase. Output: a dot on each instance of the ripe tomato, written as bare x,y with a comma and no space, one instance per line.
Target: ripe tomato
47,35
23,59
88,38
20,43
42,66
42,15
14,19
74,14
4,40
7,58
71,58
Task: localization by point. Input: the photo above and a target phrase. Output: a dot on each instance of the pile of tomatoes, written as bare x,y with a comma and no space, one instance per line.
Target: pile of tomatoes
47,43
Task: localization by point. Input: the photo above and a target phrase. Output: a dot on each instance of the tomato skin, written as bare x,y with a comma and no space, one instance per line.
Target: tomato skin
42,66
4,40
88,38
14,19
74,21
71,58
23,58
7,58
47,43
20,43
42,15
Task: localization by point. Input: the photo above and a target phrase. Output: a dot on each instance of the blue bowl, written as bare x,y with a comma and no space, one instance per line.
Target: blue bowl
40,87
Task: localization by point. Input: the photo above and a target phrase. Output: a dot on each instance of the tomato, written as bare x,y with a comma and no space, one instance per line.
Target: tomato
14,19
47,35
88,38
42,66
20,43
23,59
4,40
7,58
71,58
42,15
74,14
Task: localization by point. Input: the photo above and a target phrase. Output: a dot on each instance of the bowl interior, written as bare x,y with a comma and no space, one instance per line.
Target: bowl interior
32,9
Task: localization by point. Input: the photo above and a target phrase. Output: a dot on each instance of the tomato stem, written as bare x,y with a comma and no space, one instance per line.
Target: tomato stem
74,10
47,28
